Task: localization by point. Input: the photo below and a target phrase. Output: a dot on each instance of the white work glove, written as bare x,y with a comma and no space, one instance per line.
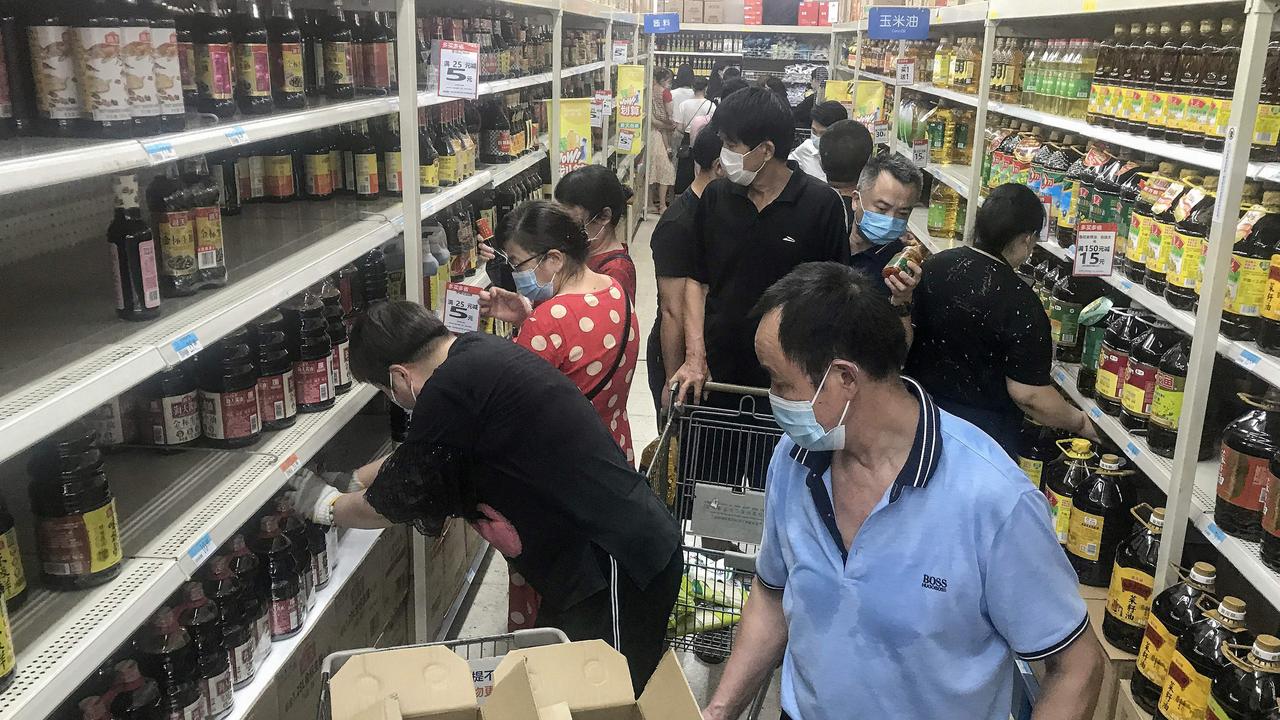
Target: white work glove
312,497
346,481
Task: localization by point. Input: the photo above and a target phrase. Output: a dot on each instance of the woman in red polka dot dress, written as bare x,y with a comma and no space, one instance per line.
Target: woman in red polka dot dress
583,323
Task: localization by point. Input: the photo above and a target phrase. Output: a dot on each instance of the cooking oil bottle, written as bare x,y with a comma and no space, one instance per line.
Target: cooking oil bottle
1132,582
942,59
944,204
1059,487
941,126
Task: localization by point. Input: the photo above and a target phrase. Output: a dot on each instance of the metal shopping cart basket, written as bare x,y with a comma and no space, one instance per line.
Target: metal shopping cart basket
483,655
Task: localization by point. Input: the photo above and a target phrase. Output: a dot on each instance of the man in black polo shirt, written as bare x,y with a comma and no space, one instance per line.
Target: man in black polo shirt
750,230
888,190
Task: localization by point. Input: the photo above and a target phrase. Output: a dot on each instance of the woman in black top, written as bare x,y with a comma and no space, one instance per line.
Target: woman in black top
504,440
981,342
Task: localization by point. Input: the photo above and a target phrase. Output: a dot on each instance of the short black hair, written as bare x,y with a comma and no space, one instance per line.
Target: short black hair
706,148
660,74
700,84
391,333
732,71
754,115
898,167
684,76
828,113
831,311
1009,211
732,85
595,188
541,226
845,148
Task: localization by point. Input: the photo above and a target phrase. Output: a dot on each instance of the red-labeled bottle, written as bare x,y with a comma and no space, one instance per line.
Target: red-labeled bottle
227,592
1140,376
229,397
288,72
202,619
341,360
133,255
1248,444
215,61
288,602
172,416
249,570
93,708
253,61
133,697
1123,330
312,373
295,528
173,218
276,400
167,655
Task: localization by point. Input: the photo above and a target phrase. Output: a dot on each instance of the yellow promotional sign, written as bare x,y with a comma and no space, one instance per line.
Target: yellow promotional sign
630,103
574,142
863,98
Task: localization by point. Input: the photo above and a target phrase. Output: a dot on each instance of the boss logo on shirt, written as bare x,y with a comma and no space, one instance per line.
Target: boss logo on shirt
934,583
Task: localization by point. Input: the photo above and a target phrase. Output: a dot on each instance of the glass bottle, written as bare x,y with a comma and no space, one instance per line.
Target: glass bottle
133,255
379,58
172,414
139,58
59,103
1174,610
215,71
288,61
313,42
428,161
211,256
364,151
318,173
339,72
13,577
1132,583
392,166
102,74
253,54
229,412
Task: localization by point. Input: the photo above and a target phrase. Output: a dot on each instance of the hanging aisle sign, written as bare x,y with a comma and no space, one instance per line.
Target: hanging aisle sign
574,143
630,105
459,68
657,23
1095,249
898,23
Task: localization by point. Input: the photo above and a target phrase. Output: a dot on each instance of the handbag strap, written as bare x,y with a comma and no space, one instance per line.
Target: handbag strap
622,350
696,115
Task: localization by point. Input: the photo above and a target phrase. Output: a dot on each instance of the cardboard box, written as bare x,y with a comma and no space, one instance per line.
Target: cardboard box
1119,666
573,680
713,11
673,6
1088,592
807,14
692,12
396,633
297,683
266,706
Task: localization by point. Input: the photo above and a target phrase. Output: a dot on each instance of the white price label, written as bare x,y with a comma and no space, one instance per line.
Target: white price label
462,307
237,136
880,133
920,153
600,107
186,346
621,51
1095,249
459,69
290,465
625,140
160,152
906,72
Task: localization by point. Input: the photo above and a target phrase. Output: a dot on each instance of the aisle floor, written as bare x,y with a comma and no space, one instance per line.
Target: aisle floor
487,612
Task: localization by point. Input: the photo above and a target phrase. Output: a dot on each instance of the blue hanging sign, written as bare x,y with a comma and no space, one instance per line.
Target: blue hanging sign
657,23
898,23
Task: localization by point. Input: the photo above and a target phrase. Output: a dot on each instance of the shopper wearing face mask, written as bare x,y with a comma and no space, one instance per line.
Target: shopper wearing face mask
917,562
503,439
846,147
806,154
749,230
888,190
981,342
593,195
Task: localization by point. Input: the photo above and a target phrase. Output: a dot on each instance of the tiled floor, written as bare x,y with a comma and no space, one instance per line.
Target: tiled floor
488,609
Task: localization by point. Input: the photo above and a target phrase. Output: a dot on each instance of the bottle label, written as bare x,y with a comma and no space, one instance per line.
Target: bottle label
1072,210
337,63
1176,110
1270,506
102,74
1158,247
1184,260
1112,367
937,217
340,363
255,69
1154,653
335,168
1196,120
117,282
209,248
218,694
150,276
140,71
80,544
1215,711
311,380
1091,351
1220,119
429,176
1064,322
279,180
1153,104
8,657
175,419
230,415
320,568
11,572
243,666
1247,280
56,80
377,64
262,626
194,711
366,174
213,71
1084,535
1059,514
1129,597
319,175
1186,691
275,396
448,169
1266,128
517,142
395,173
349,170
169,74
287,73
177,243
187,66
1139,387
1166,401
1034,469
286,615
1241,479
250,177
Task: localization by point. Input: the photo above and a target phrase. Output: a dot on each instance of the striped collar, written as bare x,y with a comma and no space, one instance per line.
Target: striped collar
922,461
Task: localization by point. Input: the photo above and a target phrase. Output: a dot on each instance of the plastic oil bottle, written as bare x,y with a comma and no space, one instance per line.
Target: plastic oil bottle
944,202
1198,658
1173,611
1059,488
1099,521
1248,445
1133,581
1249,689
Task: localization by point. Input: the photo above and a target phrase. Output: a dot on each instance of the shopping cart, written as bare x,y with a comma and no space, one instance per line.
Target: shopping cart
483,655
710,469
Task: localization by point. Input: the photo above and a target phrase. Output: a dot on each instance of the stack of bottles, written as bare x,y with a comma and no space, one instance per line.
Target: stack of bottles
509,47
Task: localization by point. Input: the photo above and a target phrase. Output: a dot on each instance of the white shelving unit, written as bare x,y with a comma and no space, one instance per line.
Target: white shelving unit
781,29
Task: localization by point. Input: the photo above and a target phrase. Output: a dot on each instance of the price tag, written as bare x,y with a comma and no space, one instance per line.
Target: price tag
459,68
202,549
1248,357
625,139
906,72
462,307
621,51
1095,249
1095,412
290,465
1134,450
186,346
1214,533
237,136
880,133
160,152
920,153
600,103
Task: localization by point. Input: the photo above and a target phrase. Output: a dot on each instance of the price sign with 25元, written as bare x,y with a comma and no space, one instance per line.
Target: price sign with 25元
459,64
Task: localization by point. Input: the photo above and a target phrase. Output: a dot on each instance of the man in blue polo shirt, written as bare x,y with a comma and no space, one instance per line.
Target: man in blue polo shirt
906,561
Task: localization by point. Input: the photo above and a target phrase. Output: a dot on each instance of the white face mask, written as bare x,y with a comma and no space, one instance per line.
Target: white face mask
391,385
732,163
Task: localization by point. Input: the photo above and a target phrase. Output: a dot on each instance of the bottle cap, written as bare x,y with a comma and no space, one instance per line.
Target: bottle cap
194,594
238,546
1112,462
1267,648
164,622
1204,573
1232,608
127,675
1081,446
1157,517
93,708
269,526
220,568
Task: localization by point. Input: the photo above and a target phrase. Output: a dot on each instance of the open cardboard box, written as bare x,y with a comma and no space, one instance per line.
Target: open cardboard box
571,681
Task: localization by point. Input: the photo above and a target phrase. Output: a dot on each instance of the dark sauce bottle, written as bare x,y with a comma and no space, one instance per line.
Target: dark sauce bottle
1250,688
1099,520
288,602
1198,658
1132,583
1140,376
1172,612
253,61
1248,445
133,250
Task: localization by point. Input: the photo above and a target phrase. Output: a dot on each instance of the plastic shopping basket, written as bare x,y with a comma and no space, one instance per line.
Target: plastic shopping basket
482,653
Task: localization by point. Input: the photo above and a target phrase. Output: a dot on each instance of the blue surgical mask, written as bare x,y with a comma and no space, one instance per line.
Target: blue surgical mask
797,419
527,284
817,140
880,229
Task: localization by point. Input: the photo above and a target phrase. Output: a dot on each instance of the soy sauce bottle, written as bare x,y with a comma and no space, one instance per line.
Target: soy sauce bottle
1140,376
1270,550
1198,659
167,655
1060,488
253,61
172,416
13,577
1172,612
1037,447
312,372
211,254
364,151
100,57
172,215
339,44
202,619
214,62
1070,295
133,251
1132,582
251,574
229,397
278,406
1099,520
295,528
341,359
77,530
1093,326
1124,327
227,592
1248,445
1250,687
288,602
134,697
1247,279
288,69
1166,399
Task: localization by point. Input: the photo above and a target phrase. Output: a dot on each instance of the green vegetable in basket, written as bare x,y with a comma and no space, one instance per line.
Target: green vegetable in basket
702,619
729,594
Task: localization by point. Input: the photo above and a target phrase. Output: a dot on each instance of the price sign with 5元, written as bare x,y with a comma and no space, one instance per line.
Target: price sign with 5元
462,307
458,64
1095,249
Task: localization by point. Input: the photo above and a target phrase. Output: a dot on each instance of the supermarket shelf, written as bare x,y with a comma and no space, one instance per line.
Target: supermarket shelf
473,569
947,94
787,59
843,68
918,224
1125,705
580,69
587,8
1245,354
973,12
501,173
696,52
1023,10
788,29
866,74
498,86
954,176
640,58
1243,555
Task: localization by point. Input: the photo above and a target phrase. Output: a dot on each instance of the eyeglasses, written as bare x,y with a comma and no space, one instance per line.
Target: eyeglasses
500,255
